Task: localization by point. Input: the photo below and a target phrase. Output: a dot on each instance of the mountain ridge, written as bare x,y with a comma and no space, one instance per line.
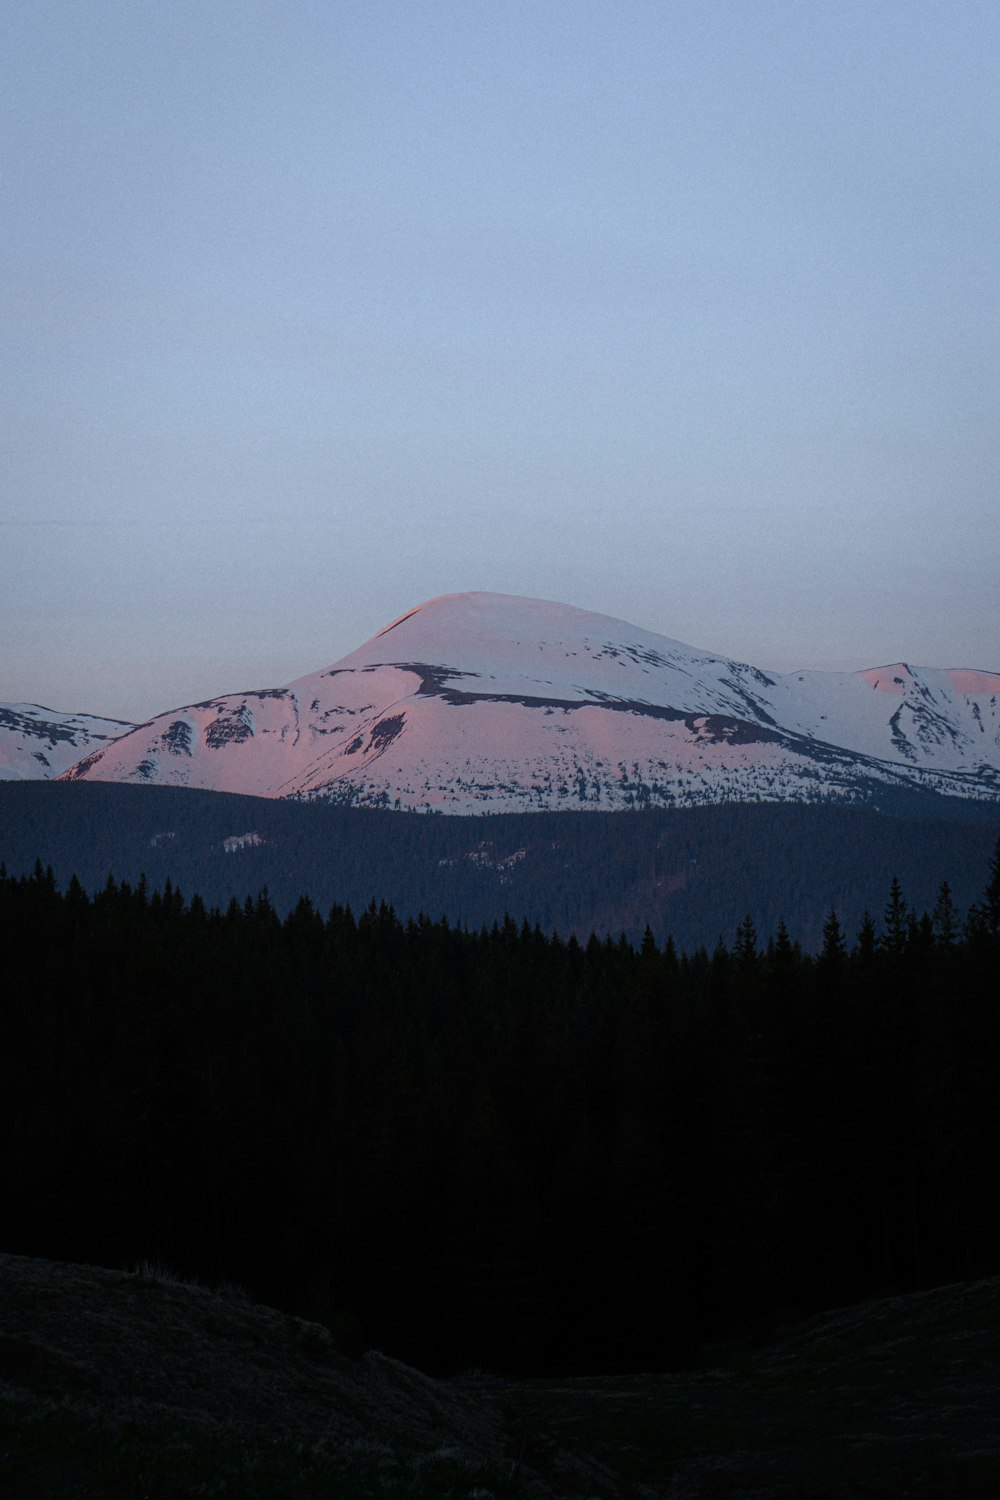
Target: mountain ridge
689,873
38,742
491,702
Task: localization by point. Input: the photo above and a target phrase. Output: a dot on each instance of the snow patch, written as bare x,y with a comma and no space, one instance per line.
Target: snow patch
241,841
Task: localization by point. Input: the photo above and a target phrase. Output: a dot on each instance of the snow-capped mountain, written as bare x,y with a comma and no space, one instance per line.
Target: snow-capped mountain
487,703
38,743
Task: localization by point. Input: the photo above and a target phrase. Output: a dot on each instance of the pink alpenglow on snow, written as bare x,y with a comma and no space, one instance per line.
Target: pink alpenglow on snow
489,702
39,743
892,679
967,680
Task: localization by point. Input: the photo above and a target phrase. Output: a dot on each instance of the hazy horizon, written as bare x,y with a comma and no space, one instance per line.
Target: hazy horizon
681,314
150,704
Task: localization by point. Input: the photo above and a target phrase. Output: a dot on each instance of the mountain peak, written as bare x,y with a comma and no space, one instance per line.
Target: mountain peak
486,702
482,632
891,679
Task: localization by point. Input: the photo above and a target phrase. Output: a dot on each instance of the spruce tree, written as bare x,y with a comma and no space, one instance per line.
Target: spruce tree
896,922
991,898
834,947
867,940
945,917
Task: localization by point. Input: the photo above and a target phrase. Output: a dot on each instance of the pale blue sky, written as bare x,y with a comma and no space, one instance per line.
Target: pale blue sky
685,312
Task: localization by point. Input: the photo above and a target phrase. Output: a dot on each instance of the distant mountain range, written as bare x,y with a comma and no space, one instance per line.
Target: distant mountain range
38,743
490,703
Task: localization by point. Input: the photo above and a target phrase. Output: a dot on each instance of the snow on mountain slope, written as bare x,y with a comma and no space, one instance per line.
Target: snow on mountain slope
922,716
39,743
487,702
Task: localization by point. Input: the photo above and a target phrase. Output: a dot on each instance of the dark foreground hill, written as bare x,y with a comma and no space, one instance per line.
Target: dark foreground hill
116,1385
692,873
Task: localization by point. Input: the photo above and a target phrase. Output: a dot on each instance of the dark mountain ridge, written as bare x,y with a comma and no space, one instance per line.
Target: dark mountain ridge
691,873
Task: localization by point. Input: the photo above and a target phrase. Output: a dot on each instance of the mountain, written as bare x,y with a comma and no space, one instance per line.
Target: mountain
693,873
38,743
488,703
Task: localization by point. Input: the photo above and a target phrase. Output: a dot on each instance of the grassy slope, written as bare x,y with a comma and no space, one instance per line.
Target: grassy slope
119,1386
893,1398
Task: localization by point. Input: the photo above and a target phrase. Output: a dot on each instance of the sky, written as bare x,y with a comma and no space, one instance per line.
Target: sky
680,311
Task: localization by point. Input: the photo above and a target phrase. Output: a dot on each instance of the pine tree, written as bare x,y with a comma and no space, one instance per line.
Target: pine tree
896,922
834,946
745,947
991,898
781,951
945,918
867,941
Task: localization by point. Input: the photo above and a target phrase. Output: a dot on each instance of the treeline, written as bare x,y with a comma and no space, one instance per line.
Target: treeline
496,1147
690,872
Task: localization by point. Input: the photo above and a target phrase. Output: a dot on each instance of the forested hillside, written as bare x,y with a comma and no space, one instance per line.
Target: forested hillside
499,1147
691,873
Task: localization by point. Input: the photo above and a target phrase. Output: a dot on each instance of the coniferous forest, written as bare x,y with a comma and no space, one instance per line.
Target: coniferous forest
692,873
497,1148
